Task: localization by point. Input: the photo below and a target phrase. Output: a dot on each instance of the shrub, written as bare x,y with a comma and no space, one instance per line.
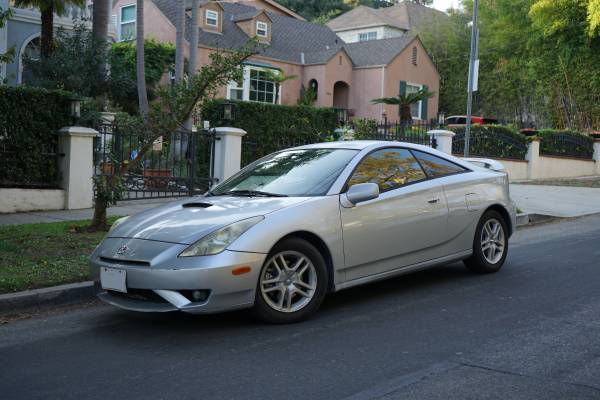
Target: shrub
29,120
566,143
491,141
273,127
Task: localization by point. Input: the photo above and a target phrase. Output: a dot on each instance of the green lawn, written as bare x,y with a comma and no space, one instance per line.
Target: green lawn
41,255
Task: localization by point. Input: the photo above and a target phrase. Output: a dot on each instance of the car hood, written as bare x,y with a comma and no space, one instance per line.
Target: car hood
186,221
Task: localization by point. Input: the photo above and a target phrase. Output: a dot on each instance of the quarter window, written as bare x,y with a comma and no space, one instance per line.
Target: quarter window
436,167
262,29
127,25
212,18
389,169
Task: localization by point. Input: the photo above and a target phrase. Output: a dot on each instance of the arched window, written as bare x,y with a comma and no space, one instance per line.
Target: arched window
314,86
30,51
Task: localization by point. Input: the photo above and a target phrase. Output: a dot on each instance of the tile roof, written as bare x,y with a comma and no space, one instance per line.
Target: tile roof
290,38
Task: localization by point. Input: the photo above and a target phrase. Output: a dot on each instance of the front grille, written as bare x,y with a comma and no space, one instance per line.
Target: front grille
140,295
137,263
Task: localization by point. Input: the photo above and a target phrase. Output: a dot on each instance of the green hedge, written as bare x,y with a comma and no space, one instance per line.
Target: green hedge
29,121
274,127
491,141
565,143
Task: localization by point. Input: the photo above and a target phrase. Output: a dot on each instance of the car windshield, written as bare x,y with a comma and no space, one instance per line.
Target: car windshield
306,172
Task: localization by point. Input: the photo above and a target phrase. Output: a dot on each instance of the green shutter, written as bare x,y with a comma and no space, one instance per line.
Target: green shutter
402,93
424,106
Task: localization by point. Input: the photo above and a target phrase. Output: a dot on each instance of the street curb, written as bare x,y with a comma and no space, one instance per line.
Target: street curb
534,219
57,295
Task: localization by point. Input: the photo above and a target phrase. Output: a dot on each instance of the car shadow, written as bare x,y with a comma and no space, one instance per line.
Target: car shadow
340,305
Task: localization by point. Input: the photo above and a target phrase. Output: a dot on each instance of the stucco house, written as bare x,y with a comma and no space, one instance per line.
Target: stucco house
22,31
345,75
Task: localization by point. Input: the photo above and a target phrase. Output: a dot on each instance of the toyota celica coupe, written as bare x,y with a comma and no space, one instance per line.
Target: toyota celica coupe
300,223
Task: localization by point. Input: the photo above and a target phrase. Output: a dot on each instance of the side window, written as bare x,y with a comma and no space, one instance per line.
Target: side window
388,168
436,167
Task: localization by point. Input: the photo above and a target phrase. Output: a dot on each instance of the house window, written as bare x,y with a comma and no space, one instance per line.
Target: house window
262,29
261,89
127,25
255,86
414,56
212,18
366,36
415,108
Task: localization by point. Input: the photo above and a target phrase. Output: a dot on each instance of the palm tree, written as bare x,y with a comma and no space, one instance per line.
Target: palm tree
194,38
100,12
179,30
404,101
140,67
47,9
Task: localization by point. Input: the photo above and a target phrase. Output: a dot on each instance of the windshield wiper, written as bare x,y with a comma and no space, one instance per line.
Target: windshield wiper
252,193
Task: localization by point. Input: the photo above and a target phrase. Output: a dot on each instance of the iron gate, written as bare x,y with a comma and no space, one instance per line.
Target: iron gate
180,163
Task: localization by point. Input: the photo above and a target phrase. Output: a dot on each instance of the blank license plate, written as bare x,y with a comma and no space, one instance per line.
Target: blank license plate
113,279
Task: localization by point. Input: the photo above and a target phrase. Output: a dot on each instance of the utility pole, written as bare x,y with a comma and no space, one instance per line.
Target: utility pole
473,74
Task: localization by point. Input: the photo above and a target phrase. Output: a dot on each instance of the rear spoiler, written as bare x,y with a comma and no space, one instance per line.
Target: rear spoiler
487,163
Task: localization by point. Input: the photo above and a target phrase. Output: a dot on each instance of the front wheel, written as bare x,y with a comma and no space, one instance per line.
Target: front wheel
490,245
292,283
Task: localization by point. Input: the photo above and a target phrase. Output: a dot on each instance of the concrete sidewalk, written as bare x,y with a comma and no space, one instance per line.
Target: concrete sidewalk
557,201
121,209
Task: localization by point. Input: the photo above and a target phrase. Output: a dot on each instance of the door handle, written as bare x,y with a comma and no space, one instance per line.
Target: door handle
435,200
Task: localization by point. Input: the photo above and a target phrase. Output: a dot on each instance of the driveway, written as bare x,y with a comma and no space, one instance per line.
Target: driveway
530,331
558,201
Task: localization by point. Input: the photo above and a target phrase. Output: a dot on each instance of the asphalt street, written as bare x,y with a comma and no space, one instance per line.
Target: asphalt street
532,331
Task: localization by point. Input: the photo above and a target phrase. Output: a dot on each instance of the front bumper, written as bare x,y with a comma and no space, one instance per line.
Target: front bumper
162,289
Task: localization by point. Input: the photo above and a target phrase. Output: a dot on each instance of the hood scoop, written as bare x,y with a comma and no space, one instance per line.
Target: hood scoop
196,205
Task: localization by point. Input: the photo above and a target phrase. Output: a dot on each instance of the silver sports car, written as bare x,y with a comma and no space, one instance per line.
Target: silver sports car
297,224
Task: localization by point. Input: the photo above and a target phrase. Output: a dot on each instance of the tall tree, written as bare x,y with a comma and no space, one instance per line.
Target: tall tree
194,38
47,9
140,66
100,13
179,31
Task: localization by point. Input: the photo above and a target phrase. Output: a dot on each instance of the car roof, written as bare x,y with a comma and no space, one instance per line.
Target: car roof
361,145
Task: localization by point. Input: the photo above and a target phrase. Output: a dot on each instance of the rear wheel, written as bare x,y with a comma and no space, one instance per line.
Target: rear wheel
292,283
490,245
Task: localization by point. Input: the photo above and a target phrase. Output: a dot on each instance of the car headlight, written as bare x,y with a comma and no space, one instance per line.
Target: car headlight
219,240
117,223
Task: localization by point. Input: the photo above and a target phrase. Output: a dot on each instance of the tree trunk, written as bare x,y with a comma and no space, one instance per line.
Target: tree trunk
405,115
179,30
194,42
99,220
140,66
100,13
47,39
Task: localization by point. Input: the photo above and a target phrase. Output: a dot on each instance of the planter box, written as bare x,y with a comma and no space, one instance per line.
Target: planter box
150,173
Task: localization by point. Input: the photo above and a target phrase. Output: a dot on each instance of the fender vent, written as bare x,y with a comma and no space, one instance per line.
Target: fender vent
196,205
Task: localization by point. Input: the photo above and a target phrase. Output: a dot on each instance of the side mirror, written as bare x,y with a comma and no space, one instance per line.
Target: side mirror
362,192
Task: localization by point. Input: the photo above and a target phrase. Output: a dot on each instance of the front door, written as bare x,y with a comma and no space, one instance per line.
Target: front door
399,227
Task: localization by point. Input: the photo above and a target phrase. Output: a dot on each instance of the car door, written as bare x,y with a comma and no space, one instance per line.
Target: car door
396,229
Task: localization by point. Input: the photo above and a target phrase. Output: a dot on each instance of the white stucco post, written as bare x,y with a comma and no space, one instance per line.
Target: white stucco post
533,158
443,139
597,155
77,166
228,152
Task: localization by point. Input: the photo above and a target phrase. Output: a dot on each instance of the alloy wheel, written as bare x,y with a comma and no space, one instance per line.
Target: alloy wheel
288,282
493,241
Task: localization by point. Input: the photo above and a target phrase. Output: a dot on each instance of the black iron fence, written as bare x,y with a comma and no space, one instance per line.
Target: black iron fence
567,144
406,131
491,141
179,164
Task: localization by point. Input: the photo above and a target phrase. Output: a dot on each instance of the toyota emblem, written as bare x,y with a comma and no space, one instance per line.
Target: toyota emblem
122,250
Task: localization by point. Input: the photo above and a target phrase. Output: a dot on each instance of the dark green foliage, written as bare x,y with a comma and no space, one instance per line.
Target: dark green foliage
74,64
491,141
565,143
29,121
273,127
159,58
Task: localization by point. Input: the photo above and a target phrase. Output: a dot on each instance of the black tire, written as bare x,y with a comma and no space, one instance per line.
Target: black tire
266,312
478,262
